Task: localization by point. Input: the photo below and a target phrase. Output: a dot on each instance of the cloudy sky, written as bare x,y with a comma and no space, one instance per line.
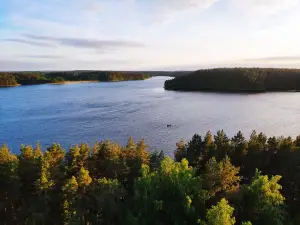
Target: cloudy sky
148,34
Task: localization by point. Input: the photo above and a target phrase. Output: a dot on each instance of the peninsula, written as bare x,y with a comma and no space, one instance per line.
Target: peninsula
237,80
9,79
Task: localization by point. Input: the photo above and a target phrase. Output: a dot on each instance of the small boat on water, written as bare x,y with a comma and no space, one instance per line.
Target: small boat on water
169,125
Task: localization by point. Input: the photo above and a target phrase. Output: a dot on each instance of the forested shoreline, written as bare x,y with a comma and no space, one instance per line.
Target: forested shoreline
212,180
237,80
7,80
29,78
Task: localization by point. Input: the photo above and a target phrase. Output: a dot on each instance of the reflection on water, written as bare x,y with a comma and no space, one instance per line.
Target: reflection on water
89,112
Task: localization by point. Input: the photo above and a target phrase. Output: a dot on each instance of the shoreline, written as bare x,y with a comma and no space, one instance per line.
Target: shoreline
58,83
233,91
6,86
68,82
76,82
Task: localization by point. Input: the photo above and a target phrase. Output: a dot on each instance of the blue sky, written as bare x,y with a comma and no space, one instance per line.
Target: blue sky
148,34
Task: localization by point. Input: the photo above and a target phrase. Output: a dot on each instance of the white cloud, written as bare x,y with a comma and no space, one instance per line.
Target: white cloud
230,30
168,10
264,7
179,5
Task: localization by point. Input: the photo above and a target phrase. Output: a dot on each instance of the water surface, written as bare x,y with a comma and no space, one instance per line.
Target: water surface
88,112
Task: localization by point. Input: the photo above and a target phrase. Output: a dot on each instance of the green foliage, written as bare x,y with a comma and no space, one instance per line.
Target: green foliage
83,178
170,195
9,185
130,144
297,141
113,184
155,159
220,214
222,145
198,151
7,79
71,186
212,176
263,202
29,171
25,78
269,155
105,201
229,175
239,149
246,223
237,80
99,203
57,80
70,191
221,177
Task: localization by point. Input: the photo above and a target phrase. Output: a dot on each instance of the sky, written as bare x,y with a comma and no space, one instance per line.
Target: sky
148,34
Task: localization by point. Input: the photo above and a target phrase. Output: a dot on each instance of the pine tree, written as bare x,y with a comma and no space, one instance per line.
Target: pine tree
229,175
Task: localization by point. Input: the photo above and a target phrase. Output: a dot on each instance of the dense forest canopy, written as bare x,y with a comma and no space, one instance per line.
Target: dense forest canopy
237,80
212,180
24,78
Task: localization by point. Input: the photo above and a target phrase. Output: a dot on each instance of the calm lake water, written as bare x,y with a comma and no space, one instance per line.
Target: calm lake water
88,112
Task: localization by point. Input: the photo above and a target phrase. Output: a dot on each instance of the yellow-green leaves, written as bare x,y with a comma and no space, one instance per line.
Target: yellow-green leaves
229,175
263,201
267,190
221,176
220,214
6,156
71,186
170,195
83,178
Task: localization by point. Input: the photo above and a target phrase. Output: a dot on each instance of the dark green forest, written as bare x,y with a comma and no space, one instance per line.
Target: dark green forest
29,78
212,180
237,80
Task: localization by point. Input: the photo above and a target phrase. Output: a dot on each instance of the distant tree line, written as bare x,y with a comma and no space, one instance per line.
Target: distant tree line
28,78
214,180
237,80
98,75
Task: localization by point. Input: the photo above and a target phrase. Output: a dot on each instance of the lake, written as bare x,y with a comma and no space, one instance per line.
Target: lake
87,112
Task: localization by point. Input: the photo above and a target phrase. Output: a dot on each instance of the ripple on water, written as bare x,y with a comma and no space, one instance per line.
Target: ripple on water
70,114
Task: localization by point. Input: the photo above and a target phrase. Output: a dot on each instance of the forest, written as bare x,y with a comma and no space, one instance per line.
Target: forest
29,78
210,180
237,80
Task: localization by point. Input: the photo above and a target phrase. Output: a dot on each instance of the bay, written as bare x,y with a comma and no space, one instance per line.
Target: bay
90,112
